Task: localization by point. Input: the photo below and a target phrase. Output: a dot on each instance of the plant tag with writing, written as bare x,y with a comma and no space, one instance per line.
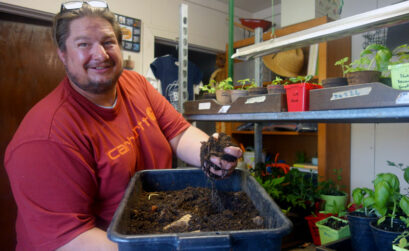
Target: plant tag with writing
403,98
351,93
205,106
260,99
224,109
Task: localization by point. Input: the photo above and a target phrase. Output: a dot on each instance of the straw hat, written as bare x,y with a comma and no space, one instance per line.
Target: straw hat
286,63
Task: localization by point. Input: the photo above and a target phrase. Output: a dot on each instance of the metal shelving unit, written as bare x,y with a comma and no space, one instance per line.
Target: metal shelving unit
383,17
367,115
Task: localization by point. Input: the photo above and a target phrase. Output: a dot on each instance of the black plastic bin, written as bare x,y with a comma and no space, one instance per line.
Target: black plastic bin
175,179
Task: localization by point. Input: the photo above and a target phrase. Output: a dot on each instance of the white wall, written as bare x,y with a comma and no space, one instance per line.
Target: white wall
373,144
208,25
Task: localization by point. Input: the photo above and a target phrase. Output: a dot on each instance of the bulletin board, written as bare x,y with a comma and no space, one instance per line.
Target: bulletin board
131,32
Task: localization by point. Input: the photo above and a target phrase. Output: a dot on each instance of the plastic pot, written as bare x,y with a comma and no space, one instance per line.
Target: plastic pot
361,234
334,82
328,234
334,203
235,94
383,239
274,89
363,77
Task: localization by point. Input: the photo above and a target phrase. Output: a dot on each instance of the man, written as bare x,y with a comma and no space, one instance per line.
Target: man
74,153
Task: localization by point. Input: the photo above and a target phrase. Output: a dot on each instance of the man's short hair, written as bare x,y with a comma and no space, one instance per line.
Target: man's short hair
61,23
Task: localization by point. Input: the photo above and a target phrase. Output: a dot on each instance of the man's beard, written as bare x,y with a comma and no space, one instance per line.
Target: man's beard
94,87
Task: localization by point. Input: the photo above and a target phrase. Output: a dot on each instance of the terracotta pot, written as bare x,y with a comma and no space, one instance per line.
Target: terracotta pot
274,89
334,82
363,77
257,90
235,94
223,97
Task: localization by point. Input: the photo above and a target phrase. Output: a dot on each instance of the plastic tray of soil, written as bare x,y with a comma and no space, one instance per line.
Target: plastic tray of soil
275,223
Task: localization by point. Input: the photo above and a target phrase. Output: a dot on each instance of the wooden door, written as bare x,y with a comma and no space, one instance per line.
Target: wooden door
29,69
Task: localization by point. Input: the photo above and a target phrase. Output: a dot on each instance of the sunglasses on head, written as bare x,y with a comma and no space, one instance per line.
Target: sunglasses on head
74,5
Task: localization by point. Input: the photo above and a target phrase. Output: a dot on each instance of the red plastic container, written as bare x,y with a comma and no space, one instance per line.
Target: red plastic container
298,96
312,219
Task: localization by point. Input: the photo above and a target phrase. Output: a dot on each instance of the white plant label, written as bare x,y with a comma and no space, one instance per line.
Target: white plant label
224,109
403,98
351,93
260,99
205,106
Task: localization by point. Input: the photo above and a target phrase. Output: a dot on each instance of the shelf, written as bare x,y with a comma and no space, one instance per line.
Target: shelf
286,133
368,115
379,18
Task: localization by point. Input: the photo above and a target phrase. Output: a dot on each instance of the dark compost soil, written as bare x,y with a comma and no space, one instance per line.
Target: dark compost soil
217,211
397,226
334,224
215,147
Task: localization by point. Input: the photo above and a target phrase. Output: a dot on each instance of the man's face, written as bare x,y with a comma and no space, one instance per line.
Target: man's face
93,59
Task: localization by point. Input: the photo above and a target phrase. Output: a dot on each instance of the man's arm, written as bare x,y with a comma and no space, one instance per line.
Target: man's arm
93,239
187,147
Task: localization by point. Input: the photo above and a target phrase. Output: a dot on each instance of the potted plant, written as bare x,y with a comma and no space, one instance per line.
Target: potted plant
277,86
241,90
223,89
373,63
209,91
298,93
388,203
256,90
337,81
391,207
359,219
334,199
367,68
295,192
332,229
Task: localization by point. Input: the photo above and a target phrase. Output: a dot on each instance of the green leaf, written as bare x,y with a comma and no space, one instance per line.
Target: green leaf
404,205
380,220
357,196
369,201
382,195
406,174
403,243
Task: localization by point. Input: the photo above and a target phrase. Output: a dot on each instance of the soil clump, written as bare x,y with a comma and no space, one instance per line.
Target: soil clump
192,209
215,147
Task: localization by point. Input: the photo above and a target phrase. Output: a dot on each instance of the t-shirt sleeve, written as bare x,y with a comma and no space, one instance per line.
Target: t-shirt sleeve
55,203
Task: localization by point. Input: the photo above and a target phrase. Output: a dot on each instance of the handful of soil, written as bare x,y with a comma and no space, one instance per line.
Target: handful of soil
215,147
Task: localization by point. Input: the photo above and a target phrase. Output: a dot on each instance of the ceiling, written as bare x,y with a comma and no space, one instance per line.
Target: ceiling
252,5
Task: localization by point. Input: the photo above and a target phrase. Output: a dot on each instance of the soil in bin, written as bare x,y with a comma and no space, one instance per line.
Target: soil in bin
334,224
224,211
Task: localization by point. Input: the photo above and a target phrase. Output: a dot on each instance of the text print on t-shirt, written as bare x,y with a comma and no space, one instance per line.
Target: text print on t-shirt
125,146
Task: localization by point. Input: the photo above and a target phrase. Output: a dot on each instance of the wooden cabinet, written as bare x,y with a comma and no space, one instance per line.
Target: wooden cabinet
332,142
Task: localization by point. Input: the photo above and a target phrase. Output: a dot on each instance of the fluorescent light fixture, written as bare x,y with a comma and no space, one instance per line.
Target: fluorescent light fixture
371,20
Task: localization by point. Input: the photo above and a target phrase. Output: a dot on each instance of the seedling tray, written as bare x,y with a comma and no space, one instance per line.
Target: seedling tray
276,223
248,104
368,95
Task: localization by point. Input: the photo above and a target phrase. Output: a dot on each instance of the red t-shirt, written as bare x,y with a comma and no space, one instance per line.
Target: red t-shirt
70,160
